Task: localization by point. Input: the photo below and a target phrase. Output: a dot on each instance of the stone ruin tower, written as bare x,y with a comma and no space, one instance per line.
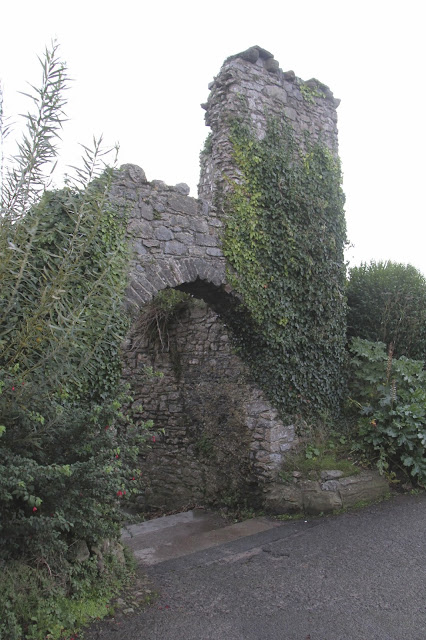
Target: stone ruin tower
223,440
255,76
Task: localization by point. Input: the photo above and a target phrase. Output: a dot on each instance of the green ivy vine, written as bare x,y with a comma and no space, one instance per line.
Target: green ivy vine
310,93
284,240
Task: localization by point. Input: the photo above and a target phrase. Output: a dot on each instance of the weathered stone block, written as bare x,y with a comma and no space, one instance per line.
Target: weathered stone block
183,204
182,188
146,211
273,91
185,238
333,474
139,248
139,228
214,251
148,242
272,65
330,485
280,498
215,222
182,222
163,233
206,240
290,113
290,76
316,501
175,248
367,486
159,185
200,226
133,172
251,54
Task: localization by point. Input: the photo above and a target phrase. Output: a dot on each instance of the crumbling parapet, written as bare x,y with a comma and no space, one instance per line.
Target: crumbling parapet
174,239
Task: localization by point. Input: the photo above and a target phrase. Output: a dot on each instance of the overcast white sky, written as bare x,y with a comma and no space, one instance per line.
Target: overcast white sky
141,70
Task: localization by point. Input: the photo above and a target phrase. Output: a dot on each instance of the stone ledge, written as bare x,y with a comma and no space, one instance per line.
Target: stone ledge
313,497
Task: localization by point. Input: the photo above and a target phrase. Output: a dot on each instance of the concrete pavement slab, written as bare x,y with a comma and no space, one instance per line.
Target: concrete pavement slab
174,536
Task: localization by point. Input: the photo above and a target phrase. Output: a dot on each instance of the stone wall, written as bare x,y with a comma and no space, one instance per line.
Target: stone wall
222,440
251,85
327,493
174,238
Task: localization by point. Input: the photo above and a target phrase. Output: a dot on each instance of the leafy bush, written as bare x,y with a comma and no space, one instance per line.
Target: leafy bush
390,395
69,454
387,303
35,606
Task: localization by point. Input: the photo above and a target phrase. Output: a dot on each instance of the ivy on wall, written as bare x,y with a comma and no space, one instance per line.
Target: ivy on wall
284,240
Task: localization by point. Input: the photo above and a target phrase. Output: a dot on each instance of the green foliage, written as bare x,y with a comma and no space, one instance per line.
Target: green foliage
387,303
284,241
68,451
320,452
205,446
157,316
62,275
390,395
24,181
169,302
35,605
67,465
310,93
207,148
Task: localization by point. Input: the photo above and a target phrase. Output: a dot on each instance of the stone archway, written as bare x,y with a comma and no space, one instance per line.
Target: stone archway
222,440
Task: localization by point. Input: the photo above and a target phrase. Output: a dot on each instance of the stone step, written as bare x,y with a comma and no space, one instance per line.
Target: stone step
182,534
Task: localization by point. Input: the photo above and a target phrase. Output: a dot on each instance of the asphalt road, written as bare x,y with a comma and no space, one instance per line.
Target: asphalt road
357,576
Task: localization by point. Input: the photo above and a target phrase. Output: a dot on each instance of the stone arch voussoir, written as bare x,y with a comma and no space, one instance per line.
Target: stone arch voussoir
149,277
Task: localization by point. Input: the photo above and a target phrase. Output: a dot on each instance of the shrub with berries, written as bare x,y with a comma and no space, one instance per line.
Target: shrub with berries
68,447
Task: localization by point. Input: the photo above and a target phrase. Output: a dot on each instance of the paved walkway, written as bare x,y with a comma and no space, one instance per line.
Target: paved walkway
357,576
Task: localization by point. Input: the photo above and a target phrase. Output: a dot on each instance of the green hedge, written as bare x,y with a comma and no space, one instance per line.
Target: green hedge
387,303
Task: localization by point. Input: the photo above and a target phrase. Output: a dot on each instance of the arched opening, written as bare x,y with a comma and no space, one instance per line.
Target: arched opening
189,382
221,299
217,438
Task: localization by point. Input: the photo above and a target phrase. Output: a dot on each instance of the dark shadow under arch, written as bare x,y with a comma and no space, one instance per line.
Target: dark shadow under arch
223,302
